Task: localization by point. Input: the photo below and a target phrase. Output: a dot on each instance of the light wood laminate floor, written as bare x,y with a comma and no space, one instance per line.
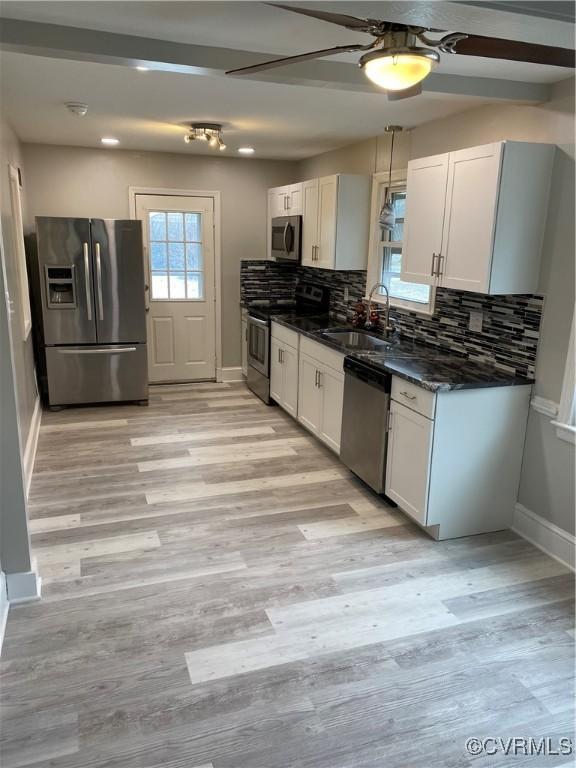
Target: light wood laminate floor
218,590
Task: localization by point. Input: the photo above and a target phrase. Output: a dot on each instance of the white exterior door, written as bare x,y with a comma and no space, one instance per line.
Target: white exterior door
424,217
179,252
470,219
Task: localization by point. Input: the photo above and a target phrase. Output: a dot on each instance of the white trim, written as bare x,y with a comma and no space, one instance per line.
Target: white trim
32,444
20,253
23,587
566,423
215,195
543,406
545,535
565,432
4,606
229,374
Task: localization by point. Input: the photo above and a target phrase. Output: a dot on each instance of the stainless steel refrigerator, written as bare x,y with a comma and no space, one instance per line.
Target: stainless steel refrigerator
87,279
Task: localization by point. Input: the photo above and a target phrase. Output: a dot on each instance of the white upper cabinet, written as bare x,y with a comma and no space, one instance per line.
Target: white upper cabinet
285,201
475,218
335,221
309,222
424,218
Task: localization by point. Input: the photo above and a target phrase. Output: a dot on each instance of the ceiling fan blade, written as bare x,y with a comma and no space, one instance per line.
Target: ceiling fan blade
295,59
514,50
350,22
407,93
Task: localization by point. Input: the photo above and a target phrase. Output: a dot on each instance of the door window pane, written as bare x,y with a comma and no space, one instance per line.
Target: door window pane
177,285
194,256
175,226
159,285
195,285
193,227
158,255
176,258
158,225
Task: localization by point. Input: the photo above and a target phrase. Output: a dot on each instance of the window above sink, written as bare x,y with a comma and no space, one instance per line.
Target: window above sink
385,251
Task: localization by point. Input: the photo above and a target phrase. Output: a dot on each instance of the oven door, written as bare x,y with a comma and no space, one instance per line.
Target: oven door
258,344
285,234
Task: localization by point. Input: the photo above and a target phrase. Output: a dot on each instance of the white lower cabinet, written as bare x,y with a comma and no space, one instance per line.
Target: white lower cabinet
284,376
454,457
408,466
321,392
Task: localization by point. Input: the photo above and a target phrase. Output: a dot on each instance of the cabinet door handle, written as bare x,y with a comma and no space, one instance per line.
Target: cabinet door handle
319,379
432,273
410,397
279,355
316,379
439,271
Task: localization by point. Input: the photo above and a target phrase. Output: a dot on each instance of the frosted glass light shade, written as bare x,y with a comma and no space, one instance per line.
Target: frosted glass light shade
398,71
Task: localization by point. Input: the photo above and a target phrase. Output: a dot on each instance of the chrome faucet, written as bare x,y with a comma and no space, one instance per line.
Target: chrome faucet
388,328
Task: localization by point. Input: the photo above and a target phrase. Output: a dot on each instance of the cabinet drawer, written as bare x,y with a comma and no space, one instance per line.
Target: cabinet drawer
414,397
285,335
322,354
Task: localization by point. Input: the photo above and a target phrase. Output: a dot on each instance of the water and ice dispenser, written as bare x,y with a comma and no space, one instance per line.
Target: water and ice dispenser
60,287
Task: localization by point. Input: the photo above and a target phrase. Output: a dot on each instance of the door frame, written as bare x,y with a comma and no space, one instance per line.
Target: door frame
215,195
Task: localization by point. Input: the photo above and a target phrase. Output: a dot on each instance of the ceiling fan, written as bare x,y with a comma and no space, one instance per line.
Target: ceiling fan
396,62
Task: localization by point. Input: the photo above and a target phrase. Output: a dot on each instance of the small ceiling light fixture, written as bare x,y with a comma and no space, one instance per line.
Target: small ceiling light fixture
142,69
400,63
210,132
77,108
109,141
246,150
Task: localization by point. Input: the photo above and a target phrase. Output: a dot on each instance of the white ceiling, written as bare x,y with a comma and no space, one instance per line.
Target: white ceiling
148,110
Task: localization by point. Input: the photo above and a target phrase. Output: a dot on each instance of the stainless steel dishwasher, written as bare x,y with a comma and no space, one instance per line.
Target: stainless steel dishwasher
365,422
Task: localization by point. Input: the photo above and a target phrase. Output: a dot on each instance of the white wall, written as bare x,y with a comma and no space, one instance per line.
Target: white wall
64,181
547,484
17,384
10,154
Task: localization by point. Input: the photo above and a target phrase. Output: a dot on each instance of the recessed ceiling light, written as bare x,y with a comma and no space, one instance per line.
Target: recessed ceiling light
246,150
142,69
110,141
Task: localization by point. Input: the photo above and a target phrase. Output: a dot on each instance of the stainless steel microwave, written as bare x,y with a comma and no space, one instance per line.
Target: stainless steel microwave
286,233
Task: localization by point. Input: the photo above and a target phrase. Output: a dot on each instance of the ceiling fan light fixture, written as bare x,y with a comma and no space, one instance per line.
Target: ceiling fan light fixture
400,68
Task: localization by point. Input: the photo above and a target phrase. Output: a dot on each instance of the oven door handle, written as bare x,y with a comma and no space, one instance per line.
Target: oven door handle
286,249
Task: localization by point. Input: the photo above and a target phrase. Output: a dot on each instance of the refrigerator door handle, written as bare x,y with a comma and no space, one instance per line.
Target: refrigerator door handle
95,351
99,282
87,280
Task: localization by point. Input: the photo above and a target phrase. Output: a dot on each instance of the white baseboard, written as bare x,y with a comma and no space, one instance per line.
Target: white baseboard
23,587
545,535
4,605
32,444
229,374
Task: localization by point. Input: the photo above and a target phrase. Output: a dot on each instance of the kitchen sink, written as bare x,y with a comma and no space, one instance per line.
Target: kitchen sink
356,340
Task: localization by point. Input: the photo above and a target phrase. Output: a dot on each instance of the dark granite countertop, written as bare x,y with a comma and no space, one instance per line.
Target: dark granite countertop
426,366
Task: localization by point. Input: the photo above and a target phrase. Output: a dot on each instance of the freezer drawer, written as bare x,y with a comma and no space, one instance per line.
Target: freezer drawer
96,374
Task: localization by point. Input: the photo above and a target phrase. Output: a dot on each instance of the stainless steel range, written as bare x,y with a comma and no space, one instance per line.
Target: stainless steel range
310,300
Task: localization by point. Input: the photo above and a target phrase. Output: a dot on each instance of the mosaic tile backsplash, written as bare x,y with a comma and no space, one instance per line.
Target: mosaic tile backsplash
510,330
